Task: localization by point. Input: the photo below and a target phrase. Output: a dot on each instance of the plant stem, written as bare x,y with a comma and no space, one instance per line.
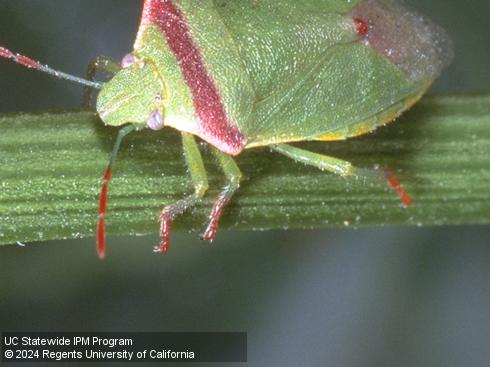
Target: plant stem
51,166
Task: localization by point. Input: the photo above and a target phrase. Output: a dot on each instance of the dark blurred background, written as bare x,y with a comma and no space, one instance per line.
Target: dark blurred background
365,297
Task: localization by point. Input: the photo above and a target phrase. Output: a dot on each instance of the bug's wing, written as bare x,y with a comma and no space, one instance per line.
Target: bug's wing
312,73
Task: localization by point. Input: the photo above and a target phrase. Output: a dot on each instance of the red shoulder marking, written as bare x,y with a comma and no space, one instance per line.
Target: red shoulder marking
215,126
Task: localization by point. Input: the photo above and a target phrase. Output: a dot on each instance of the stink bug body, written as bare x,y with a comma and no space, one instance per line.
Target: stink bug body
240,74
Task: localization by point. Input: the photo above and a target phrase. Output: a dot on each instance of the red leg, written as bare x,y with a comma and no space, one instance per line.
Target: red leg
342,168
195,165
101,244
100,239
165,225
221,201
234,176
397,186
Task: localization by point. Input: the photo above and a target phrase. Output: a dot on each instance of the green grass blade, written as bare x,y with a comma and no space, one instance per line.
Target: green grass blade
51,166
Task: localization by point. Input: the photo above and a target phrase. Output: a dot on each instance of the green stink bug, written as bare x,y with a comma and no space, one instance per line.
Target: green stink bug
240,74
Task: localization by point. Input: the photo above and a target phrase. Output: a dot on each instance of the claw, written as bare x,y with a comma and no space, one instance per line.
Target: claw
211,230
160,249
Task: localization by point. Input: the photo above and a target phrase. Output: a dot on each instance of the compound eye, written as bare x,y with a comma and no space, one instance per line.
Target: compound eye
127,61
155,122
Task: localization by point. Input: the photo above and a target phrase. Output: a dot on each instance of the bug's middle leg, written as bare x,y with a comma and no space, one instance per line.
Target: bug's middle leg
341,167
233,175
199,178
100,63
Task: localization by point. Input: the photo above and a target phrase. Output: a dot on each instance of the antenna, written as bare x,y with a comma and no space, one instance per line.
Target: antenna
32,64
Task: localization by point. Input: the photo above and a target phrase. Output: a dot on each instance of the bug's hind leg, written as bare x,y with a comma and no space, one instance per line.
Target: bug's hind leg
100,63
199,178
233,175
341,167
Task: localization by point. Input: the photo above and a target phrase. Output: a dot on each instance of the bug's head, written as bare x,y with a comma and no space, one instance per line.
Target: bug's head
133,95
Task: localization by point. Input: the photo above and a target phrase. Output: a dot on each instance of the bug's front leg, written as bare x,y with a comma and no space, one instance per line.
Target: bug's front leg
199,178
233,175
341,167
100,63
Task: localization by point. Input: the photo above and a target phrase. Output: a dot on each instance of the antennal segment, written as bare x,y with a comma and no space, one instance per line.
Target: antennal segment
33,64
